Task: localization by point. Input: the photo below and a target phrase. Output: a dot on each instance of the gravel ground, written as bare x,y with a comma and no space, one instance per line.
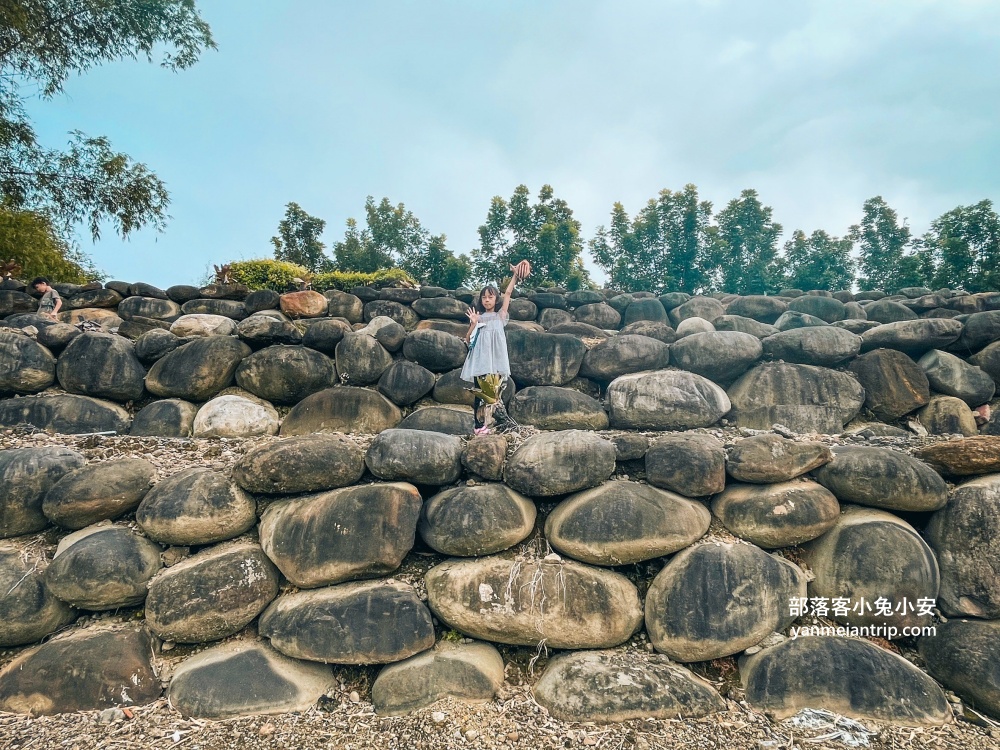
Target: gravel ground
344,719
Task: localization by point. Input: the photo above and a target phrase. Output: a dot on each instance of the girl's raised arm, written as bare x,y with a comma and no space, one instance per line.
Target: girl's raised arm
515,277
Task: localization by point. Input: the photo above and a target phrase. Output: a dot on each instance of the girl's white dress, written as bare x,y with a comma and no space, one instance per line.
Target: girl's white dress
488,350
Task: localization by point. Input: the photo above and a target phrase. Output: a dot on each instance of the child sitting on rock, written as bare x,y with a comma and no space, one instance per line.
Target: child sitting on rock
488,346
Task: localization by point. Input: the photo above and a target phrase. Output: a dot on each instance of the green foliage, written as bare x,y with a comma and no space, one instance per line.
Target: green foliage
748,246
392,234
886,260
298,240
347,280
43,43
266,273
818,261
671,245
962,249
437,265
29,239
546,234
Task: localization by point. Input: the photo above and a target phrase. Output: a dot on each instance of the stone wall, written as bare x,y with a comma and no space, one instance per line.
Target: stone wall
695,479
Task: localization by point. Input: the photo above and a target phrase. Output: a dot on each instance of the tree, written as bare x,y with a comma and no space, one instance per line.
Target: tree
818,261
42,43
963,248
545,233
748,240
29,239
298,240
886,260
437,265
392,235
670,245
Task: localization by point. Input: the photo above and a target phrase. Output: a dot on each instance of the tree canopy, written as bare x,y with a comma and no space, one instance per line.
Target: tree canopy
298,240
818,261
42,43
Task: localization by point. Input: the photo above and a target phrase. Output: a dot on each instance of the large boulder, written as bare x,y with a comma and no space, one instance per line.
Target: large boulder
197,370
341,535
486,455
777,515
341,409
965,534
803,398
720,356
309,463
103,567
665,400
344,305
599,315
154,344
952,376
981,329
26,475
550,407
361,359
28,611
615,686
405,383
744,325
98,492
262,330
107,298
13,302
561,604
974,455
468,672
790,320
148,307
871,557
65,413
894,384
889,311
367,622
448,420
543,358
397,311
416,456
882,478
304,304
232,416
623,354
757,307
74,673
988,359
560,462
227,308
324,334
286,374
767,459
101,365
448,308
56,336
212,594
913,337
386,331
194,507
718,599
845,675
827,309
691,464
436,350
964,655
203,325
659,331
476,520
169,418
947,415
25,366
619,523
705,308
824,346
246,678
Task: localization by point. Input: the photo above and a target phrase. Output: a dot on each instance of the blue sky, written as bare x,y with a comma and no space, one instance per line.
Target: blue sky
442,105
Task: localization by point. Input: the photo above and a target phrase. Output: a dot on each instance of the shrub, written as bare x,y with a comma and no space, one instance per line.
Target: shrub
267,273
347,280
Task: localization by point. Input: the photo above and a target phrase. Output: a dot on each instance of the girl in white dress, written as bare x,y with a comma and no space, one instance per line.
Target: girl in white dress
488,343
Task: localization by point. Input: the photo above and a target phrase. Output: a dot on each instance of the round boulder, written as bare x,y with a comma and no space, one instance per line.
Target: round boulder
550,407
947,415
623,354
405,383
777,515
361,359
98,492
952,376
691,464
154,344
28,611
101,365
305,304
720,356
882,478
416,456
286,374
448,420
824,346
476,520
913,337
203,325
324,334
25,366
341,409
894,384
560,462
436,350
757,307
259,331
543,358
235,417
599,315
26,476
64,413
767,459
665,400
197,370
964,655
309,463
169,418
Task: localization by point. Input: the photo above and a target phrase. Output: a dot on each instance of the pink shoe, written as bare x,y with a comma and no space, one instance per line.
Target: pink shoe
481,431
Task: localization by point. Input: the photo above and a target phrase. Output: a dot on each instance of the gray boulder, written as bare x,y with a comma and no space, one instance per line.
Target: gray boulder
791,320
197,370
988,360
227,308
246,678
448,420
947,415
28,611
486,455
720,356
368,622
913,337
648,308
169,418
103,567
435,350
98,492
26,475
563,604
415,456
705,308
549,407
801,397
194,507
341,535
25,366
560,462
341,409
323,334
67,414
467,672
543,358
691,464
56,336
600,315
233,415
894,384
691,326
659,331
981,329
623,354
451,389
149,307
889,311
619,523
757,307
614,686
286,374
744,325
965,534
344,305
400,313
212,594
154,344
309,463
882,478
844,675
952,376
767,459
405,383
101,365
665,400
361,359
827,309
717,599
824,346
448,308
259,331
777,515
964,655
476,520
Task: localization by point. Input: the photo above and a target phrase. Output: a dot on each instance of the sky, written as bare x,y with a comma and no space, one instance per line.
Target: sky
443,105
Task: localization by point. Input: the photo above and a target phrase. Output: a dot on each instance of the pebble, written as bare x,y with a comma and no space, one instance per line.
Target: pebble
354,697
438,717
111,716
266,730
471,735
168,646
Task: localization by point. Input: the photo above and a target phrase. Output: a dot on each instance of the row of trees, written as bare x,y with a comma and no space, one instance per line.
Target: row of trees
674,243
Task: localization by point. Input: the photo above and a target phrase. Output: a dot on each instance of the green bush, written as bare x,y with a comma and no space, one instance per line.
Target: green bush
347,280
267,273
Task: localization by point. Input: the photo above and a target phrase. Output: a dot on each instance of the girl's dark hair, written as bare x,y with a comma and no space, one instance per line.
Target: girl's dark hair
478,302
